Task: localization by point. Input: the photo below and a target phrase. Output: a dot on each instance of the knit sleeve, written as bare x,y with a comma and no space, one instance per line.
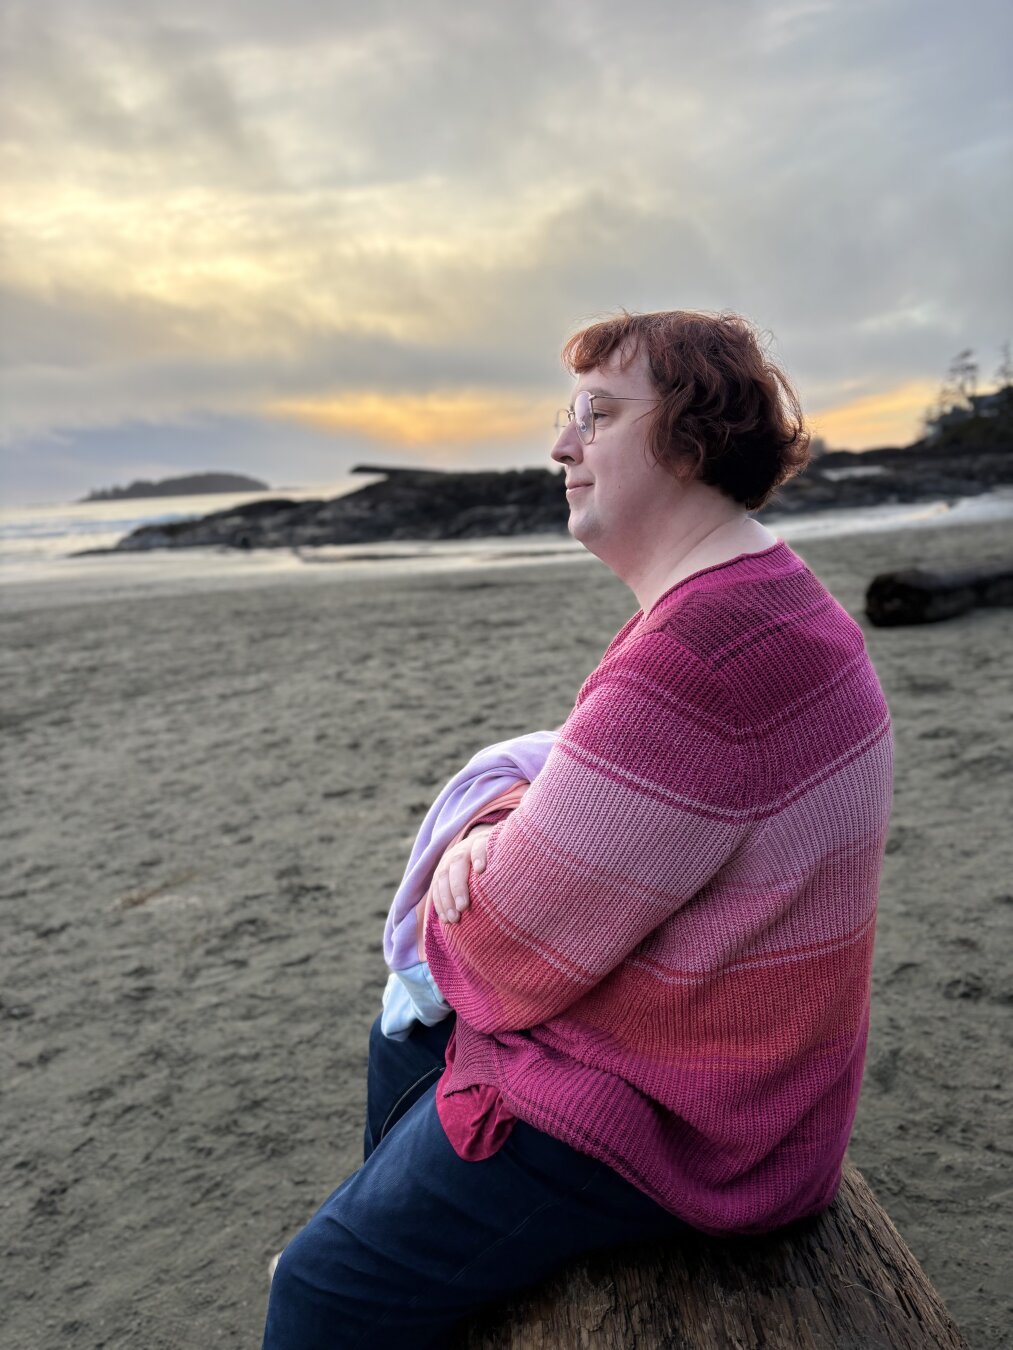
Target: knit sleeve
643,798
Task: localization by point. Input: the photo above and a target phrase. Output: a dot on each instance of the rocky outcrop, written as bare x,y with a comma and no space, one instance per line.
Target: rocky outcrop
843,479
428,505
408,504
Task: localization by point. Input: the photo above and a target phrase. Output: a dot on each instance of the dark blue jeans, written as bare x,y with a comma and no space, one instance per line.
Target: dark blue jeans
417,1238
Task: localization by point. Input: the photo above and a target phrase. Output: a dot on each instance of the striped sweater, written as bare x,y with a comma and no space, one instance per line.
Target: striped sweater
666,962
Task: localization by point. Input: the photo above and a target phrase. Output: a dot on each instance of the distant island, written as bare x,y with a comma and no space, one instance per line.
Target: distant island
188,485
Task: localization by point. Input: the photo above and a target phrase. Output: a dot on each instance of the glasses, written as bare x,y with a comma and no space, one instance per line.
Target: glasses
582,414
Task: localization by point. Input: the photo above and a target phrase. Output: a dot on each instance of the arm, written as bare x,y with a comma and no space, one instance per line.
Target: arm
448,891
638,806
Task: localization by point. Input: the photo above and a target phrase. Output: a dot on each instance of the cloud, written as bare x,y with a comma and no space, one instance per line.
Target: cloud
122,108
350,208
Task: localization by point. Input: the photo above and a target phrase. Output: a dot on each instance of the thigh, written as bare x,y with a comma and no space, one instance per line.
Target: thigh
398,1073
418,1238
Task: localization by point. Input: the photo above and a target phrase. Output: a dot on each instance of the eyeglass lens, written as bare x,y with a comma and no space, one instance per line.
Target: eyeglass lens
583,417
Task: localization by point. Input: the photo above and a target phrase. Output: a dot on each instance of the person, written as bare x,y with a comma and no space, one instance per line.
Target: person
660,979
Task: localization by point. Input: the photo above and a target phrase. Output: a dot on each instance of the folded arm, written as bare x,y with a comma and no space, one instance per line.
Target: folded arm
638,806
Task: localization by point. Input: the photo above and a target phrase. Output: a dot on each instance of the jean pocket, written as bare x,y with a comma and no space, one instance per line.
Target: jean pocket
409,1097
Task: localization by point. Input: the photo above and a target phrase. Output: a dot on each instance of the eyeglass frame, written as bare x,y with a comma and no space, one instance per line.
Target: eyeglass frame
571,415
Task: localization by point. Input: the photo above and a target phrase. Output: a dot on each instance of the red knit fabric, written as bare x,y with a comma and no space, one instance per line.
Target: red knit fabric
666,962
476,1119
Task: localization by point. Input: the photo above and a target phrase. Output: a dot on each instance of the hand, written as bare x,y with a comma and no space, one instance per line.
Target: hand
449,889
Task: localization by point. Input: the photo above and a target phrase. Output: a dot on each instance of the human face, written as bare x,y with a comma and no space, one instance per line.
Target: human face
614,488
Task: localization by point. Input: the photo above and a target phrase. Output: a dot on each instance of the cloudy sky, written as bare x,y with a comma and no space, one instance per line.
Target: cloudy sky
285,238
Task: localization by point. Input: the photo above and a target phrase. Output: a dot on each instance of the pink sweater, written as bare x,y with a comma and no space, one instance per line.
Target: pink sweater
666,962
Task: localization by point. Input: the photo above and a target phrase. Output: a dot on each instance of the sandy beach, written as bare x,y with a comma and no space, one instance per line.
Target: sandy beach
211,794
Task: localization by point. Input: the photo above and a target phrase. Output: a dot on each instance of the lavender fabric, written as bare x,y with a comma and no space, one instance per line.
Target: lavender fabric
486,775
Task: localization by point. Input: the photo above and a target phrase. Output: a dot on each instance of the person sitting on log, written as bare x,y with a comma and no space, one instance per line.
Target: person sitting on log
660,981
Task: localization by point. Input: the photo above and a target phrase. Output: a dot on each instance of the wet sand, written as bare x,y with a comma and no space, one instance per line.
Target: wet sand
211,793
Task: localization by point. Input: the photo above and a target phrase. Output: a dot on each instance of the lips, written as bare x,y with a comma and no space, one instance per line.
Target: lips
570,487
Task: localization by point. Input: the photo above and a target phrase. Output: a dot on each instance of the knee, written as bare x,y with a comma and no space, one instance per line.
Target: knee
288,1279
306,1306
283,1317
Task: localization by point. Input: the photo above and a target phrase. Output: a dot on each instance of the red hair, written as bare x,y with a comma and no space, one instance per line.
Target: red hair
726,409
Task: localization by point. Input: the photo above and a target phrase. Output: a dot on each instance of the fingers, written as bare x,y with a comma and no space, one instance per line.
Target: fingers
442,898
453,887
460,873
450,890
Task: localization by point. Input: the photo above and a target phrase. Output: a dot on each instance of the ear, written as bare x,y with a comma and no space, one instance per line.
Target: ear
687,468
682,469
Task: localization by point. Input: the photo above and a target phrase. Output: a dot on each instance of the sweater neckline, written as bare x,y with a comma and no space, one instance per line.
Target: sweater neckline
706,571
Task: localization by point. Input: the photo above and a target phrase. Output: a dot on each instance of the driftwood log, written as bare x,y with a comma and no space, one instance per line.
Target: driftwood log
844,1281
919,595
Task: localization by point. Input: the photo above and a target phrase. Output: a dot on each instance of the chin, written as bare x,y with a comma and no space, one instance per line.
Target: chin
584,530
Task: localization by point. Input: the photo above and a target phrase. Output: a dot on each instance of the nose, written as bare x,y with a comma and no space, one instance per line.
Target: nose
567,449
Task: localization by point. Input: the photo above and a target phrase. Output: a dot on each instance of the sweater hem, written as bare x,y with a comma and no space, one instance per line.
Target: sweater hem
481,1060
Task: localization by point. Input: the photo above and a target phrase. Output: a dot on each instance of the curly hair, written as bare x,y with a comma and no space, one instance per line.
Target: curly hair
726,409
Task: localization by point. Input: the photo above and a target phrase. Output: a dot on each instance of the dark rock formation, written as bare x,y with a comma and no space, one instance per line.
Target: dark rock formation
424,504
416,504
189,485
846,479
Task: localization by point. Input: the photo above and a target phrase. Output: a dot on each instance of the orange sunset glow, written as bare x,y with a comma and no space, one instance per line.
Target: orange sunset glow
438,422
892,417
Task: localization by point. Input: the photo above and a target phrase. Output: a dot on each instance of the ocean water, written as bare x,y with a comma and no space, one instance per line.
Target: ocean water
37,542
40,534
